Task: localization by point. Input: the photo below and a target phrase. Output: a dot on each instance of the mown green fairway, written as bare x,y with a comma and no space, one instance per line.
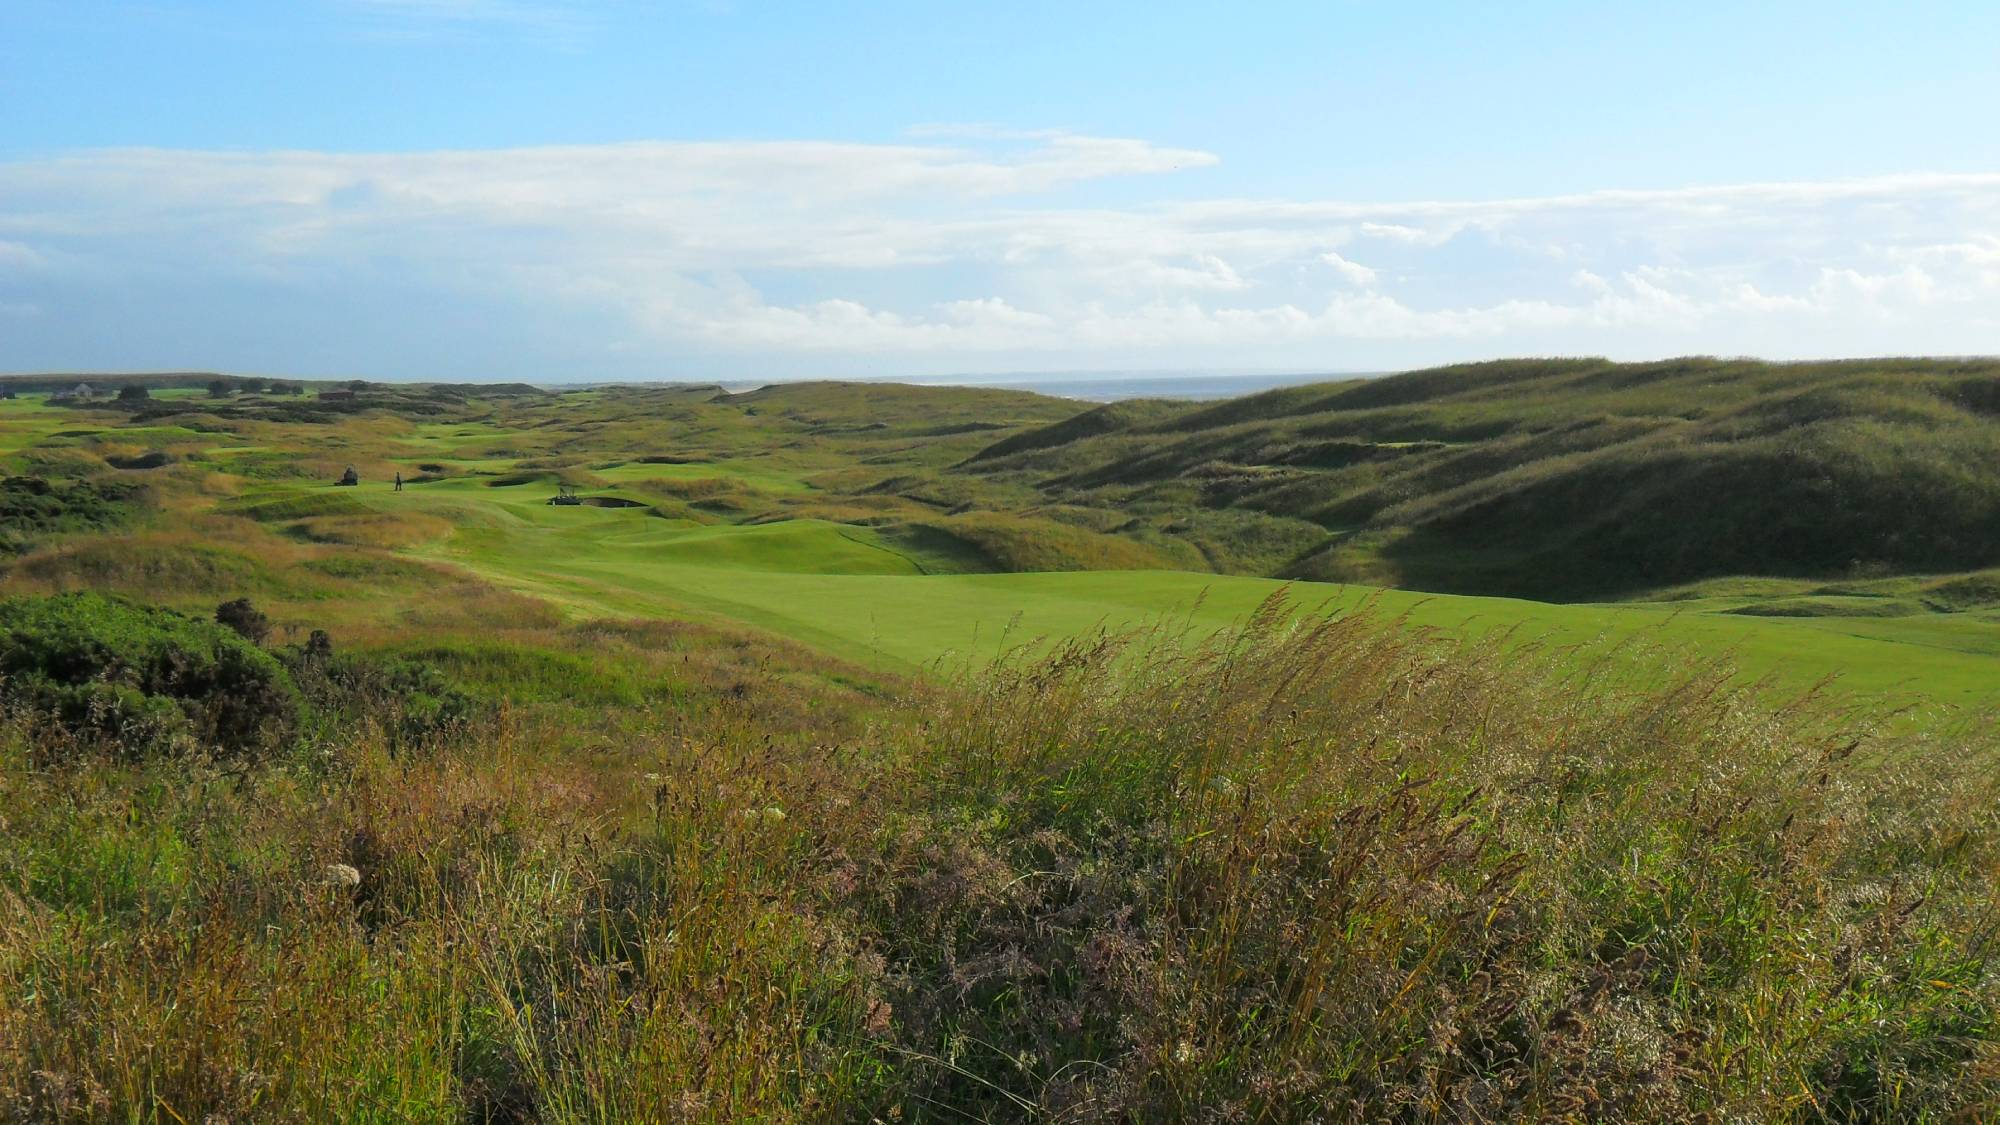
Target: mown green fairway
845,589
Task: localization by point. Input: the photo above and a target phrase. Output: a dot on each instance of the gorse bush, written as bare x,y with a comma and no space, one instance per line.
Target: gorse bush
31,508
411,703
244,619
141,679
1342,870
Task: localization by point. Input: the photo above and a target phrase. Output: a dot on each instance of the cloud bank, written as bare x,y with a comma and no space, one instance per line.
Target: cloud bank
963,249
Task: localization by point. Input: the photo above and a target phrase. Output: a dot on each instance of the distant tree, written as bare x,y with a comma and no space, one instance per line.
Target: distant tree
357,384
7,393
246,620
252,386
220,388
133,392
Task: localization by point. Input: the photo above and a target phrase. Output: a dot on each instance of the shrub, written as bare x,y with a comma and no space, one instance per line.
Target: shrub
141,680
412,702
151,459
246,620
31,507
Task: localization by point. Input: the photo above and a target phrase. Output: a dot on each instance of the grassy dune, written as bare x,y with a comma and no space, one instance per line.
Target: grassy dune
1568,479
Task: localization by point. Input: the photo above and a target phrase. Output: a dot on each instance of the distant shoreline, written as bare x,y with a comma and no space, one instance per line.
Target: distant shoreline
1112,387
1083,387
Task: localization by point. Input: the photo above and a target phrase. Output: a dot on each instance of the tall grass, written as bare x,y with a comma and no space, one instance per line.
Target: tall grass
1344,870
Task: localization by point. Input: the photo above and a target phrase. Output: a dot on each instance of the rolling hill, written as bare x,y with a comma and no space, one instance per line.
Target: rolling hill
1560,479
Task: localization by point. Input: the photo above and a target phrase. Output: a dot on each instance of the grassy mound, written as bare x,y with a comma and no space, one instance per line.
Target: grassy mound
1112,417
1027,544
791,546
1827,499
303,505
1971,591
377,529
155,566
1829,607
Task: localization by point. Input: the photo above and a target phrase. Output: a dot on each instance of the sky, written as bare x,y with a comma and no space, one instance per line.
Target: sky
573,190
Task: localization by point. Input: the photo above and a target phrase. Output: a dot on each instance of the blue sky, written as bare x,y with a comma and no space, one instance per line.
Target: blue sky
553,189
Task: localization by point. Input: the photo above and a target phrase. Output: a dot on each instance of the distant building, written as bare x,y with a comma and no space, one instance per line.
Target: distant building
82,392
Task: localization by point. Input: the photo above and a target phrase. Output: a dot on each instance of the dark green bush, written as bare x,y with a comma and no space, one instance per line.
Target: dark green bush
141,680
31,507
412,701
244,619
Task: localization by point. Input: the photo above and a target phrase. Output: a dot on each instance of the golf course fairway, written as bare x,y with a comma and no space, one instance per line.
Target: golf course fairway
842,589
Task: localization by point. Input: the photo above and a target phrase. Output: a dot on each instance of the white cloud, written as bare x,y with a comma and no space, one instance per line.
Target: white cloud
1584,279
1415,235
961,244
19,256
1749,298
1354,273
1879,294
992,312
